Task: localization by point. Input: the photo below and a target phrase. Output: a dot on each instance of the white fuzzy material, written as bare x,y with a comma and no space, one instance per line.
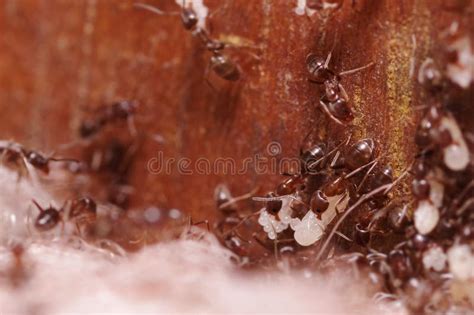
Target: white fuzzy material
186,275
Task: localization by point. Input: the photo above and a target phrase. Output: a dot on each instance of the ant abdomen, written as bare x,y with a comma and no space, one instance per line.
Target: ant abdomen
273,206
224,67
312,159
341,110
360,154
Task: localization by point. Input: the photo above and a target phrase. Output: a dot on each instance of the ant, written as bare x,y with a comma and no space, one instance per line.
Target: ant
221,64
325,4
118,111
335,99
15,153
82,210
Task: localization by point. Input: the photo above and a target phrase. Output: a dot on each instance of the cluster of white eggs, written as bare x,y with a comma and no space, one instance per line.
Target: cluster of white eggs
307,230
456,157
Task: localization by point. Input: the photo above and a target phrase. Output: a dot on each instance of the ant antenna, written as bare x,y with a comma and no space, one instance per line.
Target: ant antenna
356,69
37,205
153,9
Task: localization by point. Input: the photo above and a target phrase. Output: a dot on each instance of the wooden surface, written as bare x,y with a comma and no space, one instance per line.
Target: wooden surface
59,59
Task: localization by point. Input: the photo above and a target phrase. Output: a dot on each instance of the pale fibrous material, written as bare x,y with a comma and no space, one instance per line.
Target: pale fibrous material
426,217
64,274
461,262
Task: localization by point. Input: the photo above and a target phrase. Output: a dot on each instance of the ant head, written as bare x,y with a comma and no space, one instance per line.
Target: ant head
88,128
124,109
188,18
317,68
37,160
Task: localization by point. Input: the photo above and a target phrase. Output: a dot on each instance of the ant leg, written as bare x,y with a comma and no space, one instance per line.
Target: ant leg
131,126
37,205
239,198
78,230
343,92
343,236
203,222
206,77
32,172
261,242
253,55
28,222
328,59
366,175
356,69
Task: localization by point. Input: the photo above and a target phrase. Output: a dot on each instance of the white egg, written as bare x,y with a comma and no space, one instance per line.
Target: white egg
456,157
434,258
309,231
426,217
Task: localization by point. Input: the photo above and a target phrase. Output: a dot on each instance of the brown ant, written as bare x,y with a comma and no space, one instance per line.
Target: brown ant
118,111
325,4
222,65
15,153
335,99
82,211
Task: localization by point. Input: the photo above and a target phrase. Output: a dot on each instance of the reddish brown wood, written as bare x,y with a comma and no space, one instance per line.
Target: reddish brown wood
59,59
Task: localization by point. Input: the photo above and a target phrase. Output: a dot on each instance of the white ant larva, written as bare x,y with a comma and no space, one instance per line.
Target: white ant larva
434,258
426,217
456,155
